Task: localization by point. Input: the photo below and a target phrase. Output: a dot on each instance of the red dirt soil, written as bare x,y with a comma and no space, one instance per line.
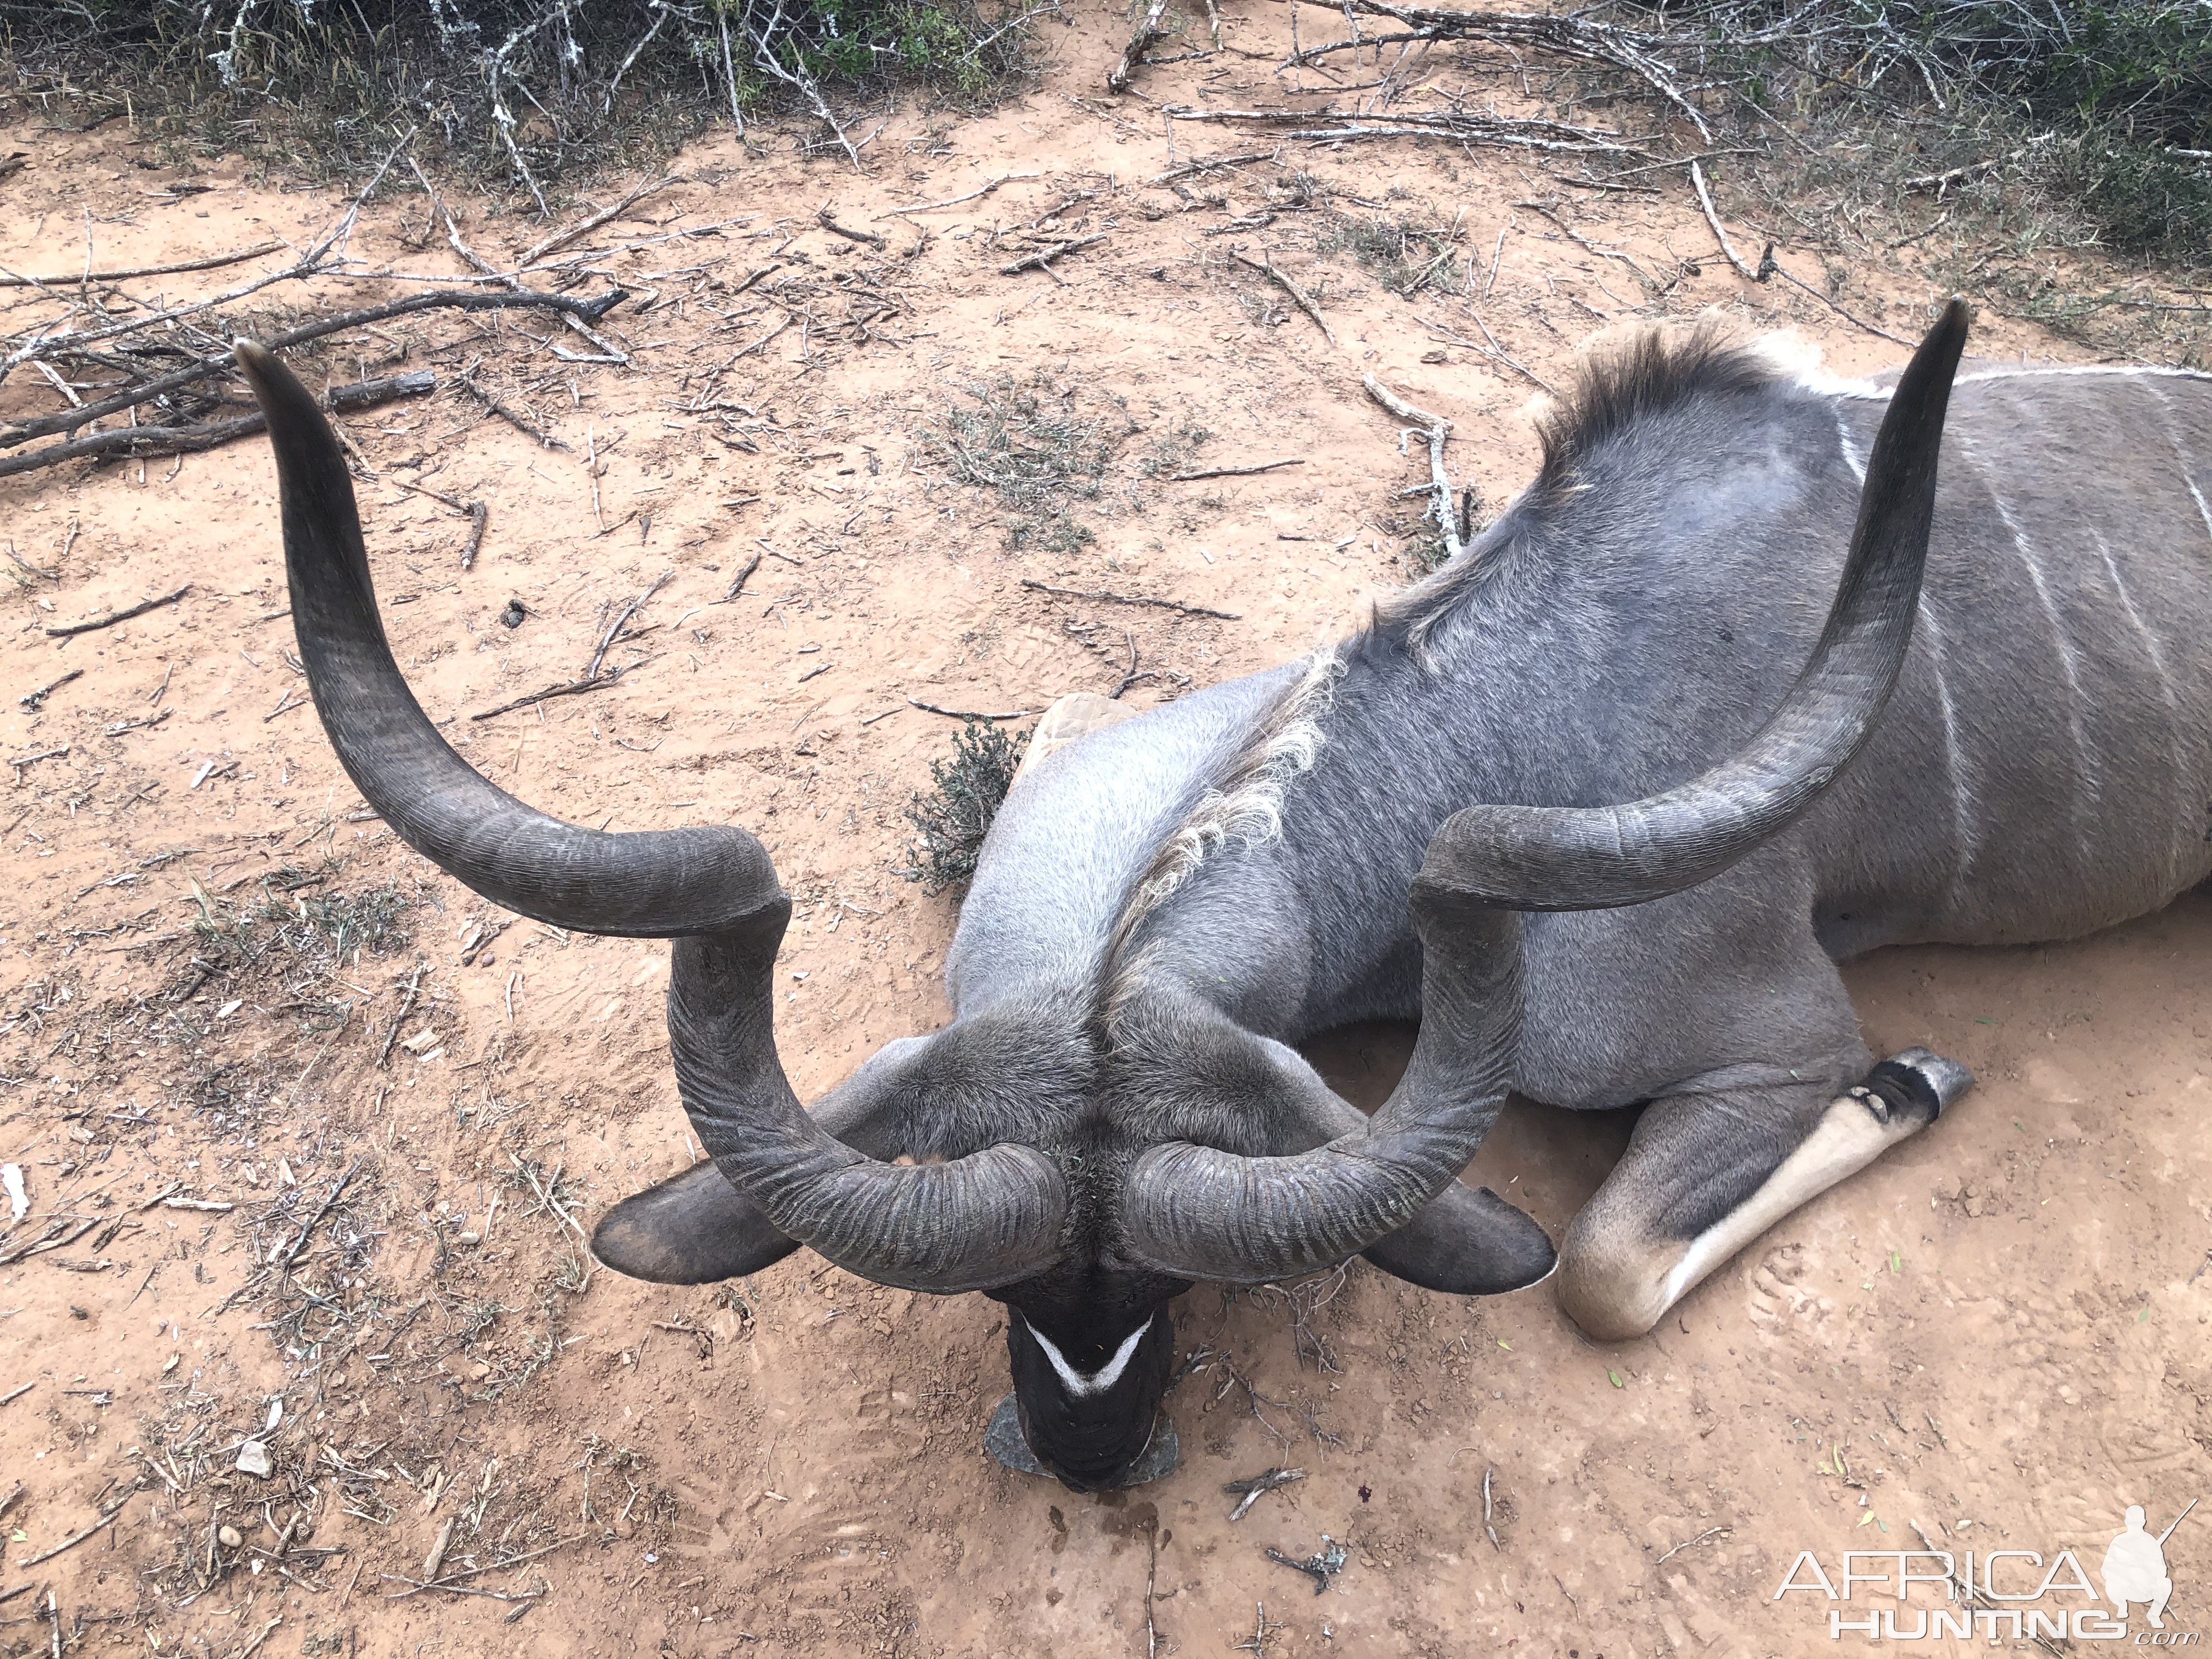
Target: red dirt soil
1998,1335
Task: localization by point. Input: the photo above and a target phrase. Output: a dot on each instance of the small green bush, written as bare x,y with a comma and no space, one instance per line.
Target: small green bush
953,816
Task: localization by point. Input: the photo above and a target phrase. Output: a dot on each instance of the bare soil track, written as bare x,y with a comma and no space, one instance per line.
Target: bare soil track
319,1140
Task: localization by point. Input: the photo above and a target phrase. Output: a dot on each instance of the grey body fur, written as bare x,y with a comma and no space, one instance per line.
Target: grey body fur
2043,769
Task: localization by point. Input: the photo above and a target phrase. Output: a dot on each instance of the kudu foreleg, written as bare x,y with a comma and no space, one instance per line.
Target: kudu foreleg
1706,1174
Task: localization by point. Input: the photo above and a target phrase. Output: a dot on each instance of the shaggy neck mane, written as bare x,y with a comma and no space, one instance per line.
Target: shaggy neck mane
1242,803
1616,388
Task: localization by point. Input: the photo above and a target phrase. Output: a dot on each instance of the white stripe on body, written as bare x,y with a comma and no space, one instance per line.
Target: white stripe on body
1852,458
2182,850
1962,808
2084,759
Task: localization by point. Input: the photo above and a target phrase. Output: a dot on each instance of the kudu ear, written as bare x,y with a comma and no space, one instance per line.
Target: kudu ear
692,1229
1465,1242
1468,1242
699,1229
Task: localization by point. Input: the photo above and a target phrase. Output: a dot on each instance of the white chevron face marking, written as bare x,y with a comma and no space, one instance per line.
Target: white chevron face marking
1082,1387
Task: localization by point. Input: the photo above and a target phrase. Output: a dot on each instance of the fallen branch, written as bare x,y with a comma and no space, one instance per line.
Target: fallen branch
1710,1532
286,1255
1149,32
955,201
605,215
75,1539
69,420
1767,262
1573,35
1586,245
1250,1491
1127,598
866,237
354,396
737,583
1209,164
143,441
1939,182
71,278
32,699
959,714
1497,131
1437,429
782,323
1321,1566
1494,351
515,417
406,1007
114,616
607,639
506,280
1965,1588
479,516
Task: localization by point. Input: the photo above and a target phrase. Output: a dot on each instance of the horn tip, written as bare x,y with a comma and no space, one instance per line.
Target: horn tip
1952,322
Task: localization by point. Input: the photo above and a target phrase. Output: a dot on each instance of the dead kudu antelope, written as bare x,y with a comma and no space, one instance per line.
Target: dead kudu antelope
2020,750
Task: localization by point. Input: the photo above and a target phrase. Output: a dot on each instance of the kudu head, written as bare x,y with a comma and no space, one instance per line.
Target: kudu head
1086,1170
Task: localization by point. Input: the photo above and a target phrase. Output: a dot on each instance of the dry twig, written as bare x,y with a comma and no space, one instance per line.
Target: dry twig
114,616
1497,132
151,440
1705,201
211,262
607,639
1131,599
1042,260
569,689
1436,429
1234,471
960,713
1249,1492
605,215
867,238
955,201
1303,300
69,420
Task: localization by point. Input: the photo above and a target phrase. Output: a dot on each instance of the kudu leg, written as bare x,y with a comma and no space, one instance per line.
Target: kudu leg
1705,1173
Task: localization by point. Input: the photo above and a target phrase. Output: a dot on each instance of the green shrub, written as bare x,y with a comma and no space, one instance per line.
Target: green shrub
533,90
953,816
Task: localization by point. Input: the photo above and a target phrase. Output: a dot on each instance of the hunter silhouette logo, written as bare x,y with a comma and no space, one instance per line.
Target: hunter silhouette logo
2134,1567
2016,1593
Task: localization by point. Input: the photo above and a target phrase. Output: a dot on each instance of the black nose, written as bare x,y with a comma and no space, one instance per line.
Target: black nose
1083,1470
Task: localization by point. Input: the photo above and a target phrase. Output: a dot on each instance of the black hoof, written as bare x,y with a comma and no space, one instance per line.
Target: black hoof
1918,1084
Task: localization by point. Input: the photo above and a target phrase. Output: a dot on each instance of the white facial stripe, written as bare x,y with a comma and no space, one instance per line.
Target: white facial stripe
1077,1384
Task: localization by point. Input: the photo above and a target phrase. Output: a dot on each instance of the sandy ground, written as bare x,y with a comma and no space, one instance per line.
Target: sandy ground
386,1156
